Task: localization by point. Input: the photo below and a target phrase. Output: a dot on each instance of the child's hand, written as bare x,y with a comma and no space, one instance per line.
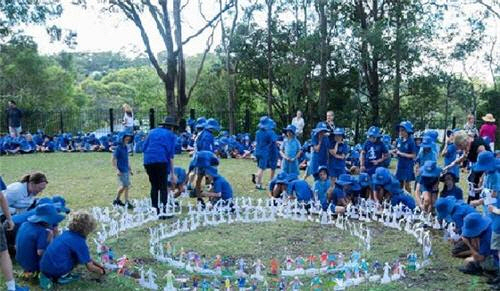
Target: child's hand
118,173
491,208
9,224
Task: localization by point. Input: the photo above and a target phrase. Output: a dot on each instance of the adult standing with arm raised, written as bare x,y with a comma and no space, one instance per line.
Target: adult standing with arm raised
14,116
159,150
299,123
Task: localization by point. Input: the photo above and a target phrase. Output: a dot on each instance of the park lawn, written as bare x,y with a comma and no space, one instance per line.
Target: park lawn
87,179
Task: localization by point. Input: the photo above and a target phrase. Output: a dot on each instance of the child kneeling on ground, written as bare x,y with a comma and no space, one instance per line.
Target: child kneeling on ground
67,251
221,190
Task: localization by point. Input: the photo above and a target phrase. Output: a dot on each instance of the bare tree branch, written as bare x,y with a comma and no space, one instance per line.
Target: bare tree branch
489,7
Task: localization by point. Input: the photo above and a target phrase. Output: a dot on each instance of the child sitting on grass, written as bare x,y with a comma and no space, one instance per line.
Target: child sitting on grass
123,171
67,251
221,190
34,236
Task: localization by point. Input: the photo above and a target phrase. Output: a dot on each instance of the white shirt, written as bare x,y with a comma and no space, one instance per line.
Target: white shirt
128,120
299,124
18,197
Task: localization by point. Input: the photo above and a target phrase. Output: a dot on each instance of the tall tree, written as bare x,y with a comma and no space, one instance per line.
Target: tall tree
269,4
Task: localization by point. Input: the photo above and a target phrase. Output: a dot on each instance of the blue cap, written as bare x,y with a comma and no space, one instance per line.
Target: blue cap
386,139
321,168
475,224
373,131
266,123
427,142
430,169
282,178
485,162
432,134
46,213
321,126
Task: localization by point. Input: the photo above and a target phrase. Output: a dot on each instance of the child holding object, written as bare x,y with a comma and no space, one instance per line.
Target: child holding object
121,164
67,251
221,190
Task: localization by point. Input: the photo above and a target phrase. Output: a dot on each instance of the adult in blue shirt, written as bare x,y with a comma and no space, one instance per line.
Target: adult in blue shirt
374,152
159,150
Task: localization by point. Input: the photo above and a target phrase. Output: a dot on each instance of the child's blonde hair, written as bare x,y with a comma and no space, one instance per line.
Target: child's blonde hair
83,223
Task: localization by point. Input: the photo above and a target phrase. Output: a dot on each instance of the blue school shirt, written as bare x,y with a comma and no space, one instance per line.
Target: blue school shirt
2,184
180,173
336,163
262,139
406,146
450,156
221,185
321,187
302,190
459,213
205,141
492,181
495,225
485,242
322,155
30,238
273,148
64,253
373,151
338,193
121,155
455,192
291,147
159,146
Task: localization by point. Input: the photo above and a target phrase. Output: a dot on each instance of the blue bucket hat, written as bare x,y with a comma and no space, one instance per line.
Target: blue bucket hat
290,128
321,126
321,168
344,179
382,176
46,213
394,187
211,171
60,202
404,199
364,179
427,142
200,122
282,178
339,131
475,224
430,169
212,123
355,155
432,134
266,123
386,139
444,207
485,162
292,177
373,131
355,186
44,200
407,126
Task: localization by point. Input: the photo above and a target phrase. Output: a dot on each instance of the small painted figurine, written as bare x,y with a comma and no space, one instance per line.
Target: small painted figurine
324,259
274,267
311,259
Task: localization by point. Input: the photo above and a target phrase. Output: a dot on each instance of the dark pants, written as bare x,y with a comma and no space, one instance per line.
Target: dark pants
157,173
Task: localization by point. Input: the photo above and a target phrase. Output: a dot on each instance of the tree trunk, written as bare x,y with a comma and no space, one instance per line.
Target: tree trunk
269,58
181,69
397,80
323,90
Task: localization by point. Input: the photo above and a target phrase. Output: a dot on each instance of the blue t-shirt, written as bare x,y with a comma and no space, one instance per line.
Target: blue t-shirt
205,141
159,146
455,192
406,146
291,147
492,181
373,151
321,156
320,188
302,190
263,139
426,155
496,219
2,184
221,185
485,242
64,253
121,155
338,193
30,238
336,163
181,175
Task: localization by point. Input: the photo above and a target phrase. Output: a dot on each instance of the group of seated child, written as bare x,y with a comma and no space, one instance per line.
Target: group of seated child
476,231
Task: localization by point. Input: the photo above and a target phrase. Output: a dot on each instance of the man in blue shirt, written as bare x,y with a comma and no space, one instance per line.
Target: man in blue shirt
159,150
123,171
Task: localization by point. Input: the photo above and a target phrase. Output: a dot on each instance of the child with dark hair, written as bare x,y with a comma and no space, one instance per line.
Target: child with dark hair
67,251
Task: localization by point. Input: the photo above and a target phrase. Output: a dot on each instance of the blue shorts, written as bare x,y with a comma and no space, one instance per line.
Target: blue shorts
265,163
405,174
124,179
336,172
424,188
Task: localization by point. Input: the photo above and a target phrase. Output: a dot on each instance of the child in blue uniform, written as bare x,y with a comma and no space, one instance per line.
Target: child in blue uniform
221,191
320,145
338,153
278,185
429,182
300,190
123,171
450,153
374,152
180,184
67,251
34,236
338,196
321,186
364,181
265,150
450,188
405,152
290,151
205,140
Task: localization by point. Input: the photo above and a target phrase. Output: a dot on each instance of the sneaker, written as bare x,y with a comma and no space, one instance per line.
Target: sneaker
129,205
22,288
471,269
68,278
259,187
45,282
118,202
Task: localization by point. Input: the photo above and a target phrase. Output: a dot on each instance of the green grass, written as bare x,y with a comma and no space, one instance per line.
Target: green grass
86,180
